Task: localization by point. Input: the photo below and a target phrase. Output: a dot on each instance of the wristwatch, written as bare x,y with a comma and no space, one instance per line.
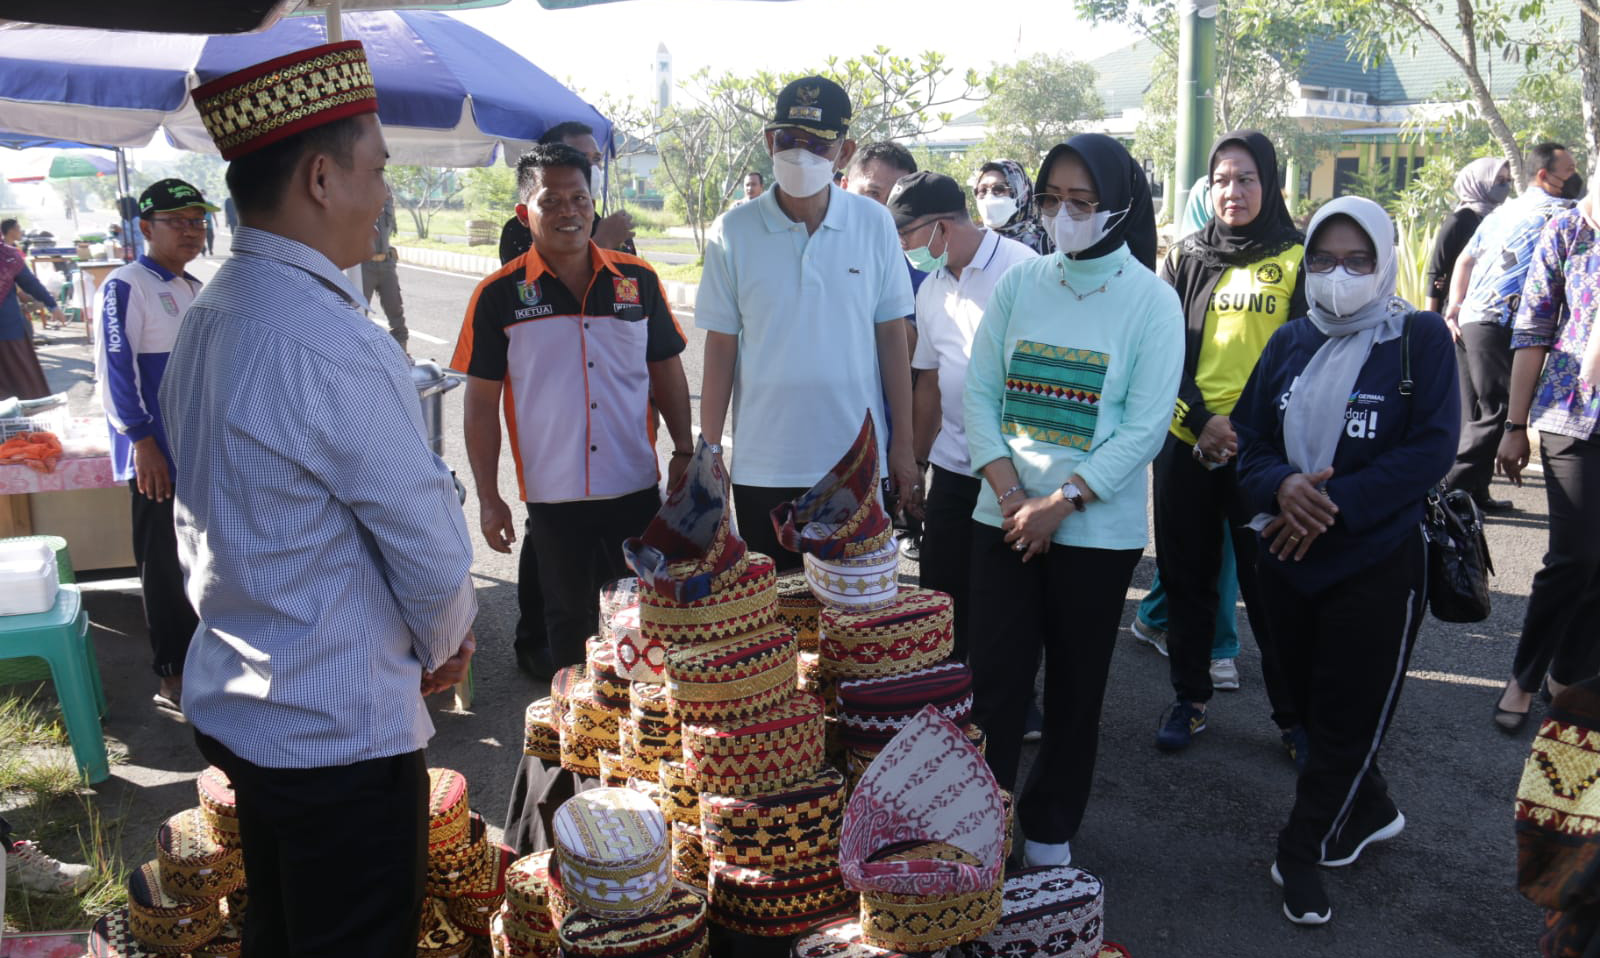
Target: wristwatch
1074,495
1515,426
715,448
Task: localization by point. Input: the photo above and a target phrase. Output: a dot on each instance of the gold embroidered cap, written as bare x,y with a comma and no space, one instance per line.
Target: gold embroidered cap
260,105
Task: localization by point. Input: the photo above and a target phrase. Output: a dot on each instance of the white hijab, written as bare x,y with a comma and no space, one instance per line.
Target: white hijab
1313,420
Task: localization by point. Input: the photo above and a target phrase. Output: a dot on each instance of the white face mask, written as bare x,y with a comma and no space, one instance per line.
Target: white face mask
996,211
1341,292
1075,236
595,179
801,173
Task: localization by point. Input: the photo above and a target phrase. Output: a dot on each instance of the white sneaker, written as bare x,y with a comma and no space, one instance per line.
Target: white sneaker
1224,675
32,869
1035,854
1150,635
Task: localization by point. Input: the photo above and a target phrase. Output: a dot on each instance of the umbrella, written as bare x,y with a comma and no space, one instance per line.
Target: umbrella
70,166
448,95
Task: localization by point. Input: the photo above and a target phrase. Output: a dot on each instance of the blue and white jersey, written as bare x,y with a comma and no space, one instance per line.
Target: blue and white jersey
141,307
1502,248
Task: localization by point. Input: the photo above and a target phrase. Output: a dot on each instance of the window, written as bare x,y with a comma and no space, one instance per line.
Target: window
1345,170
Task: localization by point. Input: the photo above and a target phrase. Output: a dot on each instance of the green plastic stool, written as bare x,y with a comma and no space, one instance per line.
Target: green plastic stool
60,636
31,669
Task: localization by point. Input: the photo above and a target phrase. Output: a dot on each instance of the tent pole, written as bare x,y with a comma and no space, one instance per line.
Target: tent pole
124,189
335,26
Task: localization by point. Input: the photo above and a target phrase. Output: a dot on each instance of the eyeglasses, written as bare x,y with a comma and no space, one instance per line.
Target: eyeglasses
1361,264
992,189
1049,204
181,222
787,138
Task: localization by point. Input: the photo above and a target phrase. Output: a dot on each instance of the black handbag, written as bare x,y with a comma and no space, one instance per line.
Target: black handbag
1458,552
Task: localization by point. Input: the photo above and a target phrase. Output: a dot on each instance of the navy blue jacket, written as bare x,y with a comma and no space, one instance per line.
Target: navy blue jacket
1394,448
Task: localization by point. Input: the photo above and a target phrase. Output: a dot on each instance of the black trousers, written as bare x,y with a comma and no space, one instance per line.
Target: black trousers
335,858
1559,628
1189,502
1345,652
1483,366
752,510
384,276
531,632
1018,611
168,616
579,546
947,544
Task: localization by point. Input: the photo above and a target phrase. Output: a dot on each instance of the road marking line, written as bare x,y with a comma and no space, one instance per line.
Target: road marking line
425,337
1454,679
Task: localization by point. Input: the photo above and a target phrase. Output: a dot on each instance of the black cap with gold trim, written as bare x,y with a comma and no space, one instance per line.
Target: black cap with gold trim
814,104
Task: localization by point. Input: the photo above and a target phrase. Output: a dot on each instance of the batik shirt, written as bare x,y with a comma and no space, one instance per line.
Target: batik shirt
1559,305
1501,250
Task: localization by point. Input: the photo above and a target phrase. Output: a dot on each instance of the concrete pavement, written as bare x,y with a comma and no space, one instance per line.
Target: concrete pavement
1183,842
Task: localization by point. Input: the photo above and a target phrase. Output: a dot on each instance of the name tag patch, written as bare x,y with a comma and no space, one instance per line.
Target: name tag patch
533,312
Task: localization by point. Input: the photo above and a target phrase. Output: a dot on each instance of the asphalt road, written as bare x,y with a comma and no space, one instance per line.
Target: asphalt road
1182,842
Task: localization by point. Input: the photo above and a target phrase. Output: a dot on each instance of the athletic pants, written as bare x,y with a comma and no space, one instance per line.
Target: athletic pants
1344,654
168,616
1068,603
1483,366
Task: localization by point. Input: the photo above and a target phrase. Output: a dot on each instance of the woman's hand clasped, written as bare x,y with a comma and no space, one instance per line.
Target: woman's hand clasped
1305,512
1030,524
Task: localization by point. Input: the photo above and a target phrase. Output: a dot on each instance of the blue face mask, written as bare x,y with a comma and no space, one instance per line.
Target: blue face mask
922,257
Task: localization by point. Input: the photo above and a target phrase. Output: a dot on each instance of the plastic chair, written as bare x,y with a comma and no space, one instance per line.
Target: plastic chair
60,636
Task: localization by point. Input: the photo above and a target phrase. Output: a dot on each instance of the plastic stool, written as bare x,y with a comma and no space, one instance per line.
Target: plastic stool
60,636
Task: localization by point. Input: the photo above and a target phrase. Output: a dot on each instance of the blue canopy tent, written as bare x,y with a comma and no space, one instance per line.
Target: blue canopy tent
448,95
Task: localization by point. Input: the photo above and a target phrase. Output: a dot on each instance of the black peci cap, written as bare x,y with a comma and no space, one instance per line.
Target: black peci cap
814,104
925,193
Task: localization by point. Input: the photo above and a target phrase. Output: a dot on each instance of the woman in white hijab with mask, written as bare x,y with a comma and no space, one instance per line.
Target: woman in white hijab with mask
1337,455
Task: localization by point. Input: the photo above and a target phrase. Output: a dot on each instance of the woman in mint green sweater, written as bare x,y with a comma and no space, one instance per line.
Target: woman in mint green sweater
1070,389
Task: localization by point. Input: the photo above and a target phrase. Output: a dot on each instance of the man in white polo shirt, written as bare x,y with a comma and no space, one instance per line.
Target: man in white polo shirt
803,299
963,263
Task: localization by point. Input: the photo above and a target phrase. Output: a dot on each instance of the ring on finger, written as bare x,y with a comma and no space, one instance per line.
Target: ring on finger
1020,545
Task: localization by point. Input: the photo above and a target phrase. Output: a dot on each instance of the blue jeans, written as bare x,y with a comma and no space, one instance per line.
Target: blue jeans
1225,641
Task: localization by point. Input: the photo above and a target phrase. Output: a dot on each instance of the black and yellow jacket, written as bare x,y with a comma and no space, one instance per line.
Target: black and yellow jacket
1232,307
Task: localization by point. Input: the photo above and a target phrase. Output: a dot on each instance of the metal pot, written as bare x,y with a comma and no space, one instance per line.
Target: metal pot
432,382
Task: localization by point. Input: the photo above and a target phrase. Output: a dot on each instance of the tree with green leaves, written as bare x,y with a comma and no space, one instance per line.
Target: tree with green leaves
1037,103
424,191
1588,54
1260,49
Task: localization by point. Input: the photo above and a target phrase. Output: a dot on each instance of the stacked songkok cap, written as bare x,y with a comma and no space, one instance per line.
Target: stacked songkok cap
842,532
526,921
1047,912
613,853
260,105
190,898
466,874
929,869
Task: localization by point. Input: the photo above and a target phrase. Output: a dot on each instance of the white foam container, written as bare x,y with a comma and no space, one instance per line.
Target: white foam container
27,578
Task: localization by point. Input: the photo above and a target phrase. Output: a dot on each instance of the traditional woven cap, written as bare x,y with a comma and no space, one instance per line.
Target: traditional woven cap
613,852
1111,949
1558,810
875,709
447,809
562,685
840,938
528,887
616,595
657,732
748,602
438,936
689,550
779,901
610,688
732,679
781,747
112,937
665,930
796,823
616,768
856,583
194,865
165,924
681,798
592,718
799,608
220,806
915,632
580,754
462,867
690,863
260,105
927,785
1047,912
540,735
917,922
637,659
473,908
229,943
841,516
978,737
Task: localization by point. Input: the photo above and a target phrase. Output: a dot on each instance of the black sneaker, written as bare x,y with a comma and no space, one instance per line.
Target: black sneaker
1179,727
1304,901
1361,831
536,664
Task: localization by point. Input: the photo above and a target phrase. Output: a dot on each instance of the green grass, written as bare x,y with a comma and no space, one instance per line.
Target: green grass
481,249
678,272
45,801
